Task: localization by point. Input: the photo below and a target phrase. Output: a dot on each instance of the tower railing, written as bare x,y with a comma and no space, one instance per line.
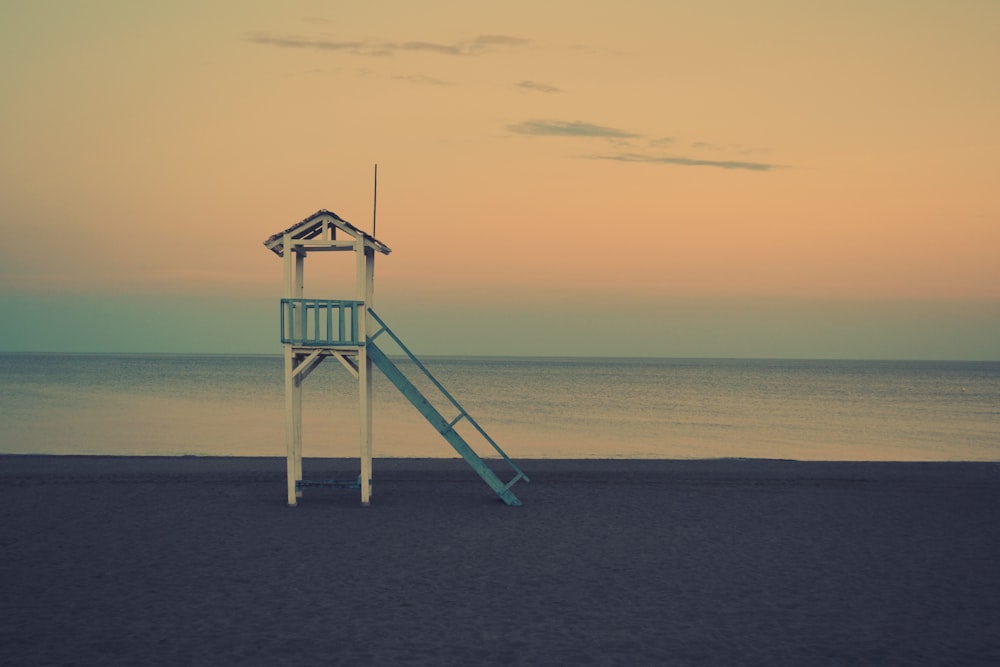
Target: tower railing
320,322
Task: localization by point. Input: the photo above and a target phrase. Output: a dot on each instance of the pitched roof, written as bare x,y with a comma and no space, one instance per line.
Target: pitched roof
314,225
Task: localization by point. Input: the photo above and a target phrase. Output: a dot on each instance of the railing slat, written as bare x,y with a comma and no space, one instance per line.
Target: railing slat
315,311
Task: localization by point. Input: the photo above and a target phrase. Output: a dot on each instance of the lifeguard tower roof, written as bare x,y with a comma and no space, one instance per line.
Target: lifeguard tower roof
323,224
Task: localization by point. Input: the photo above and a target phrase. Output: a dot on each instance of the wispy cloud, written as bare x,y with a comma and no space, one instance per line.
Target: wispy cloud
486,41
537,87
688,162
662,141
732,148
472,47
561,128
628,144
300,43
423,80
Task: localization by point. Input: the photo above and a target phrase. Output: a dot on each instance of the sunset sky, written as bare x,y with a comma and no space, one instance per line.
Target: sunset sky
719,178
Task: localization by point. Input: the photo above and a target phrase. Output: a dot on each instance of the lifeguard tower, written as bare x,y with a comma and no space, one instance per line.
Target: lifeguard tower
313,330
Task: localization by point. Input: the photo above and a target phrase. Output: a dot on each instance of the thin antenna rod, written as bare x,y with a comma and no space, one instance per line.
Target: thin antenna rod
375,200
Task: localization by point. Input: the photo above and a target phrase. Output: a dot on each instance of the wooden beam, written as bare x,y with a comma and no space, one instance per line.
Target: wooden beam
307,365
351,367
317,245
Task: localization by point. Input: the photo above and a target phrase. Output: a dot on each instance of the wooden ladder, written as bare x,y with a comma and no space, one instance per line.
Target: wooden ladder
434,417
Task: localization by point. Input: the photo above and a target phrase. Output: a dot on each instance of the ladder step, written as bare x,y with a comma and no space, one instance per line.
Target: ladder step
461,415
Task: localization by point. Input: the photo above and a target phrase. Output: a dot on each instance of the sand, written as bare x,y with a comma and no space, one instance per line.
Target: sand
199,561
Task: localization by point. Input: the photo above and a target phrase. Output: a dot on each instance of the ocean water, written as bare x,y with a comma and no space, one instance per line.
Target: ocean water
533,408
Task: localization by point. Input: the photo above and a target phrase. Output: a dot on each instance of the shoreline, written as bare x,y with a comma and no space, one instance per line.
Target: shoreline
552,468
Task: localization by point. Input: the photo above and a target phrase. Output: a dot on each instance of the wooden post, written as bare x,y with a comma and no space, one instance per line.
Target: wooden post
366,261
289,425
289,291
296,405
294,268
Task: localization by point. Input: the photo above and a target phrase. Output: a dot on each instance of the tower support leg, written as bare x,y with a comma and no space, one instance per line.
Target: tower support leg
365,400
293,427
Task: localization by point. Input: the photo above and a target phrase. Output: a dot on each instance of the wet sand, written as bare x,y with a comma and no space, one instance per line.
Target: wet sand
143,560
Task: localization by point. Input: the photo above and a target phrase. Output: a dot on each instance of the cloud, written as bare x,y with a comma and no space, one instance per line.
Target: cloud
537,87
485,41
445,49
622,140
423,80
471,47
299,43
688,162
561,128
734,148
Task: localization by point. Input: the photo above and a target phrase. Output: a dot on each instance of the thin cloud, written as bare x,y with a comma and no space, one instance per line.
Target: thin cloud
734,148
622,139
537,87
486,41
423,80
444,49
472,47
560,128
299,43
688,162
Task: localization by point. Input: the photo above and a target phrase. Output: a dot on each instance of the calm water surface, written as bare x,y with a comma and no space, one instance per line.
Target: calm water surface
566,408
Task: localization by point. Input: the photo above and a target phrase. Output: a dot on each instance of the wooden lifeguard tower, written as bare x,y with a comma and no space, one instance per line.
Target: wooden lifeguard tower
313,330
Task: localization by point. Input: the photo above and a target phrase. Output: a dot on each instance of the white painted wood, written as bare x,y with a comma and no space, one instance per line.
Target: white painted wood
290,428
296,407
307,365
298,287
359,258
290,424
317,245
302,360
300,267
289,276
346,362
369,279
300,261
365,388
365,400
294,402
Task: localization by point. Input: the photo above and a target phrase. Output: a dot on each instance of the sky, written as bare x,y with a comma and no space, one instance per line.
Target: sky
768,178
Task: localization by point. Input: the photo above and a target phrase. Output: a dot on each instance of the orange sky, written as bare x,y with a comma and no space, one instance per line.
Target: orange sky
732,155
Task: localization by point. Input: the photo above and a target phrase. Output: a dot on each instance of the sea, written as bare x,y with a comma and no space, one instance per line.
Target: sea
233,405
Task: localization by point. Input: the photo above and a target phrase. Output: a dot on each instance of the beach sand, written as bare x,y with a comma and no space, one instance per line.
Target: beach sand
139,560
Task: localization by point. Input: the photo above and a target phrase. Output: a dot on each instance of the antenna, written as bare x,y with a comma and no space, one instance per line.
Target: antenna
375,200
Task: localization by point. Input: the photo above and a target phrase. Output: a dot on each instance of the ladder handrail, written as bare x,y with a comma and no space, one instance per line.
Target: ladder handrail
462,412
